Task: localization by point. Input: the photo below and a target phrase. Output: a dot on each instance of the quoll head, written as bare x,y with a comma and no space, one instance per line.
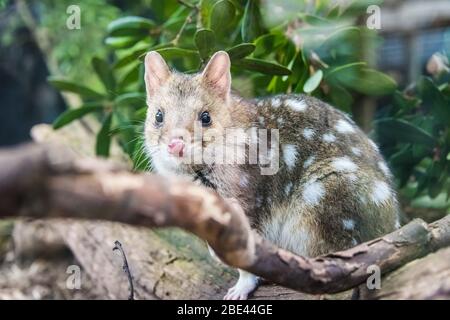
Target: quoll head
183,110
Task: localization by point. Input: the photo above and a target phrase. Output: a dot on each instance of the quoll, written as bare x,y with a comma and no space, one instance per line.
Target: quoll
332,191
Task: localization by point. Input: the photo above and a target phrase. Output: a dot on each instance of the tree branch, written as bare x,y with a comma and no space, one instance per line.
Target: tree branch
43,181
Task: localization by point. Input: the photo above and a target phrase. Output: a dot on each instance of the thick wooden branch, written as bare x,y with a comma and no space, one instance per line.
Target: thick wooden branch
42,182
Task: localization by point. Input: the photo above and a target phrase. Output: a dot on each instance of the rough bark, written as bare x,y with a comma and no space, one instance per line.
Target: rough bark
425,278
43,182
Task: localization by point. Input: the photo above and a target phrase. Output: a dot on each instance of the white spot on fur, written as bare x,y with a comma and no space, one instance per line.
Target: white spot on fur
280,121
344,164
262,121
349,224
297,105
288,188
383,167
308,133
380,192
260,103
356,151
276,103
329,137
290,155
374,145
243,181
343,126
313,192
354,242
309,162
352,177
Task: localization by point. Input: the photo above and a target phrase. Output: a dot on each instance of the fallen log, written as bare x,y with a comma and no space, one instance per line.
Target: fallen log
43,182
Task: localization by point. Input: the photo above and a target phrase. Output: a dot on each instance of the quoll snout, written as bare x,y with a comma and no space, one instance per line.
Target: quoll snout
176,147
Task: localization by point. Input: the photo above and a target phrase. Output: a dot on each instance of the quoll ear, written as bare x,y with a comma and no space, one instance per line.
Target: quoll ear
217,74
156,72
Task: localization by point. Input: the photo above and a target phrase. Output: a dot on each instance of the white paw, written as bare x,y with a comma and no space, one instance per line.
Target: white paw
246,284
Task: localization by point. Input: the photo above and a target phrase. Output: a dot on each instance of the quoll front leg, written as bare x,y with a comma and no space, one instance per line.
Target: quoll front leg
246,284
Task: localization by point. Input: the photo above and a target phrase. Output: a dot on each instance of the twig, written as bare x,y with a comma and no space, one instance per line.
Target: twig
188,5
125,267
183,27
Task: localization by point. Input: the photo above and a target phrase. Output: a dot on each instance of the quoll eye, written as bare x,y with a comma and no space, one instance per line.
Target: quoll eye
205,118
159,117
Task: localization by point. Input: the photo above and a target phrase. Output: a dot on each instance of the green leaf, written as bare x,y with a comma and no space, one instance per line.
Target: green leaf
341,98
205,11
277,85
335,73
251,22
300,72
129,78
334,12
205,41
130,26
314,20
104,138
262,66
434,99
72,114
65,85
122,42
403,131
340,43
138,54
105,74
241,51
129,58
313,82
172,53
368,81
269,43
222,15
134,99
177,17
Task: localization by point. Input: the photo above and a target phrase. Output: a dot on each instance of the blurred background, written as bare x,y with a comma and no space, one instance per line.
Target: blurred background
383,62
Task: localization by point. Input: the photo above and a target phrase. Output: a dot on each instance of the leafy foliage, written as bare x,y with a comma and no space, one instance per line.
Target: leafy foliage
415,136
317,53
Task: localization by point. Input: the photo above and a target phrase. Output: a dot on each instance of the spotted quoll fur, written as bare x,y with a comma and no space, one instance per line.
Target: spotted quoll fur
332,191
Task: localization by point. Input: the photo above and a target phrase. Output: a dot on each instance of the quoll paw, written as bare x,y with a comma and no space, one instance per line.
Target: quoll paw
246,284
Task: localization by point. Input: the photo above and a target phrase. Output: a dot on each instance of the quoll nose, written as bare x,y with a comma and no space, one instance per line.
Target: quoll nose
176,147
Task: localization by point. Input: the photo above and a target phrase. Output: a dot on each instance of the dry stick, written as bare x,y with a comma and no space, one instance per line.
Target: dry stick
42,182
125,268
